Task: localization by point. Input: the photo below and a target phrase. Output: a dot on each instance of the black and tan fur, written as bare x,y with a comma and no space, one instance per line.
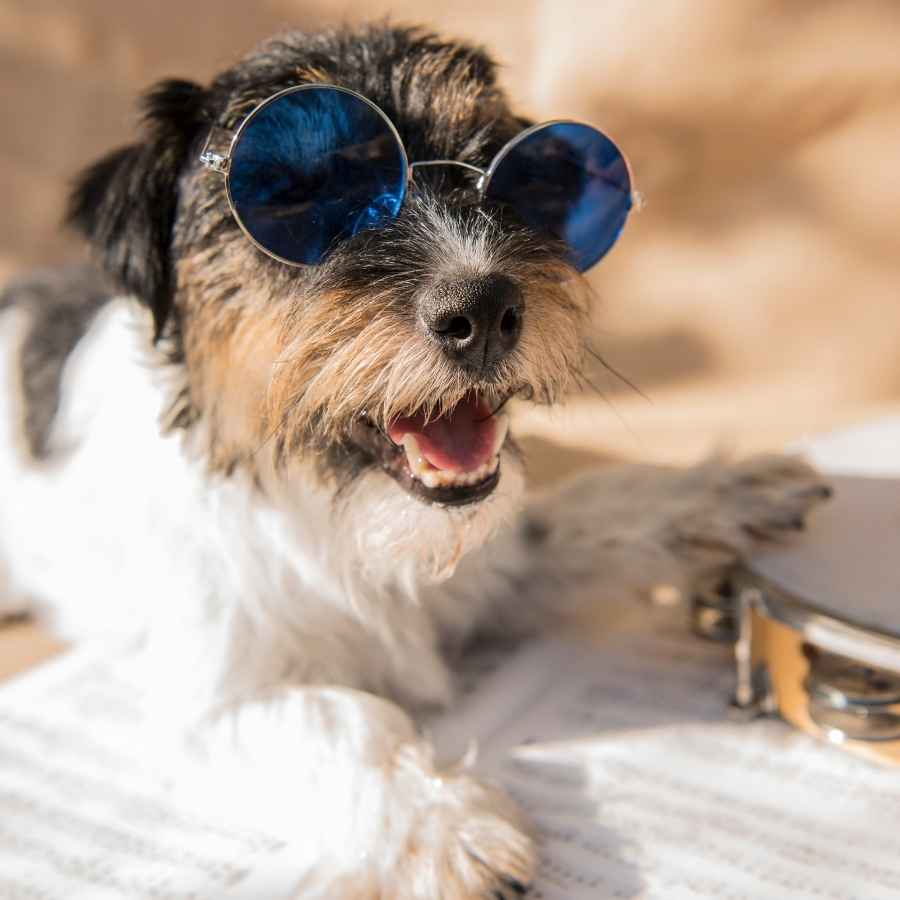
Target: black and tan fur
341,337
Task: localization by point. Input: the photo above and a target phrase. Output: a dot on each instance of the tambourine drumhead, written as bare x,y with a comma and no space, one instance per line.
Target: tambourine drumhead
848,566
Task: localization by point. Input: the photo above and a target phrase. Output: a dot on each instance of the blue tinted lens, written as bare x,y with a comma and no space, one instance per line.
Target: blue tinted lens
313,167
570,181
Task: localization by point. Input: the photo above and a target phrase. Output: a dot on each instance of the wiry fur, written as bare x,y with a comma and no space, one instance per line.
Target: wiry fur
371,355
297,360
213,498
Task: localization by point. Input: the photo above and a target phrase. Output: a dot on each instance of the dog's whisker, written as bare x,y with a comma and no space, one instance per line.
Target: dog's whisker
613,371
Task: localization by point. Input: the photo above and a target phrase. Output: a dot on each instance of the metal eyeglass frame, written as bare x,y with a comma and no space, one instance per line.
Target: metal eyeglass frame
221,163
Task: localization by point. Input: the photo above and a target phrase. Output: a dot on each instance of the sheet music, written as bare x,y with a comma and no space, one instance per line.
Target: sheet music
665,797
622,754
80,817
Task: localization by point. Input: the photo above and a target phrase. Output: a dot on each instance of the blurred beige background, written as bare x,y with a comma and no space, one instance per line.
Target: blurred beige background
755,299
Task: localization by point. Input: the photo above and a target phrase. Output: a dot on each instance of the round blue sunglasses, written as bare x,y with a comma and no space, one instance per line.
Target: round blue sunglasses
316,164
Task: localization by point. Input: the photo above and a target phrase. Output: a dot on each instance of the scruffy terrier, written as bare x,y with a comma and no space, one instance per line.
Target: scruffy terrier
271,443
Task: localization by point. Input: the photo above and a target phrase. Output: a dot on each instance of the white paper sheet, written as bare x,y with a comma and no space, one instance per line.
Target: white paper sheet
81,818
670,799
639,785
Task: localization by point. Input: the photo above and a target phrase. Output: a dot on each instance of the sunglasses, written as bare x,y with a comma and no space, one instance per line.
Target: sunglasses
317,164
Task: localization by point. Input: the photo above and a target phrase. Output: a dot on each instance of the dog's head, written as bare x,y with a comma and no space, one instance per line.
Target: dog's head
393,355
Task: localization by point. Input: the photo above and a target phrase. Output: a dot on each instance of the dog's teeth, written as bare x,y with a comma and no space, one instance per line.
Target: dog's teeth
413,452
432,477
437,478
418,465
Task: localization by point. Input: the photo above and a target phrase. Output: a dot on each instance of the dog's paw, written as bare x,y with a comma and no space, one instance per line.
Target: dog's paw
772,495
619,533
467,842
763,498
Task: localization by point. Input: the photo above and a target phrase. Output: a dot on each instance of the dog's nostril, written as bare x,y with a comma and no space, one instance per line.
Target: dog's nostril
458,327
509,324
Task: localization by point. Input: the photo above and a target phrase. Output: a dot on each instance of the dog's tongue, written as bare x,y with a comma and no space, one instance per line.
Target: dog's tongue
461,441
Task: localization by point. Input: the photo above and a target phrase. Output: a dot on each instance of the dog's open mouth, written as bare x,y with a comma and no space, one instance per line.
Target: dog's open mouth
453,459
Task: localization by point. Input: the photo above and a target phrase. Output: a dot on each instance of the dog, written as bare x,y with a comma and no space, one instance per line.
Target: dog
206,449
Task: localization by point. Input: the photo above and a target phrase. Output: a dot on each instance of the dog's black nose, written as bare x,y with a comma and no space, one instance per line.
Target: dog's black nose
476,321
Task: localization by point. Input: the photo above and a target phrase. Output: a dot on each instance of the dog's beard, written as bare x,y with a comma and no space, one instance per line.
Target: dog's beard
392,538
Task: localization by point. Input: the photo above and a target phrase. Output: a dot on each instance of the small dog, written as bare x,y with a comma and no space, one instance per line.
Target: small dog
295,483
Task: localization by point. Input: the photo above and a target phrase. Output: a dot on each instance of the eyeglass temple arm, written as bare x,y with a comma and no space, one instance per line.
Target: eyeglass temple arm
210,159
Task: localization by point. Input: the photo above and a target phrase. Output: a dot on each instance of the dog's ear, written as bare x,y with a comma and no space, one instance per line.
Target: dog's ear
125,203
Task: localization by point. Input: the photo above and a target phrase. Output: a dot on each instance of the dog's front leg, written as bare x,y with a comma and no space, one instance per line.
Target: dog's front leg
347,774
616,533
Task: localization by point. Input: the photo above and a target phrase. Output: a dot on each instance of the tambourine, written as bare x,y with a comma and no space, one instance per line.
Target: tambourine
816,624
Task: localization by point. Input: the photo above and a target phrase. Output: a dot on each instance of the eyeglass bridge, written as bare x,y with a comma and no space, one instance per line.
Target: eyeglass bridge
425,163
